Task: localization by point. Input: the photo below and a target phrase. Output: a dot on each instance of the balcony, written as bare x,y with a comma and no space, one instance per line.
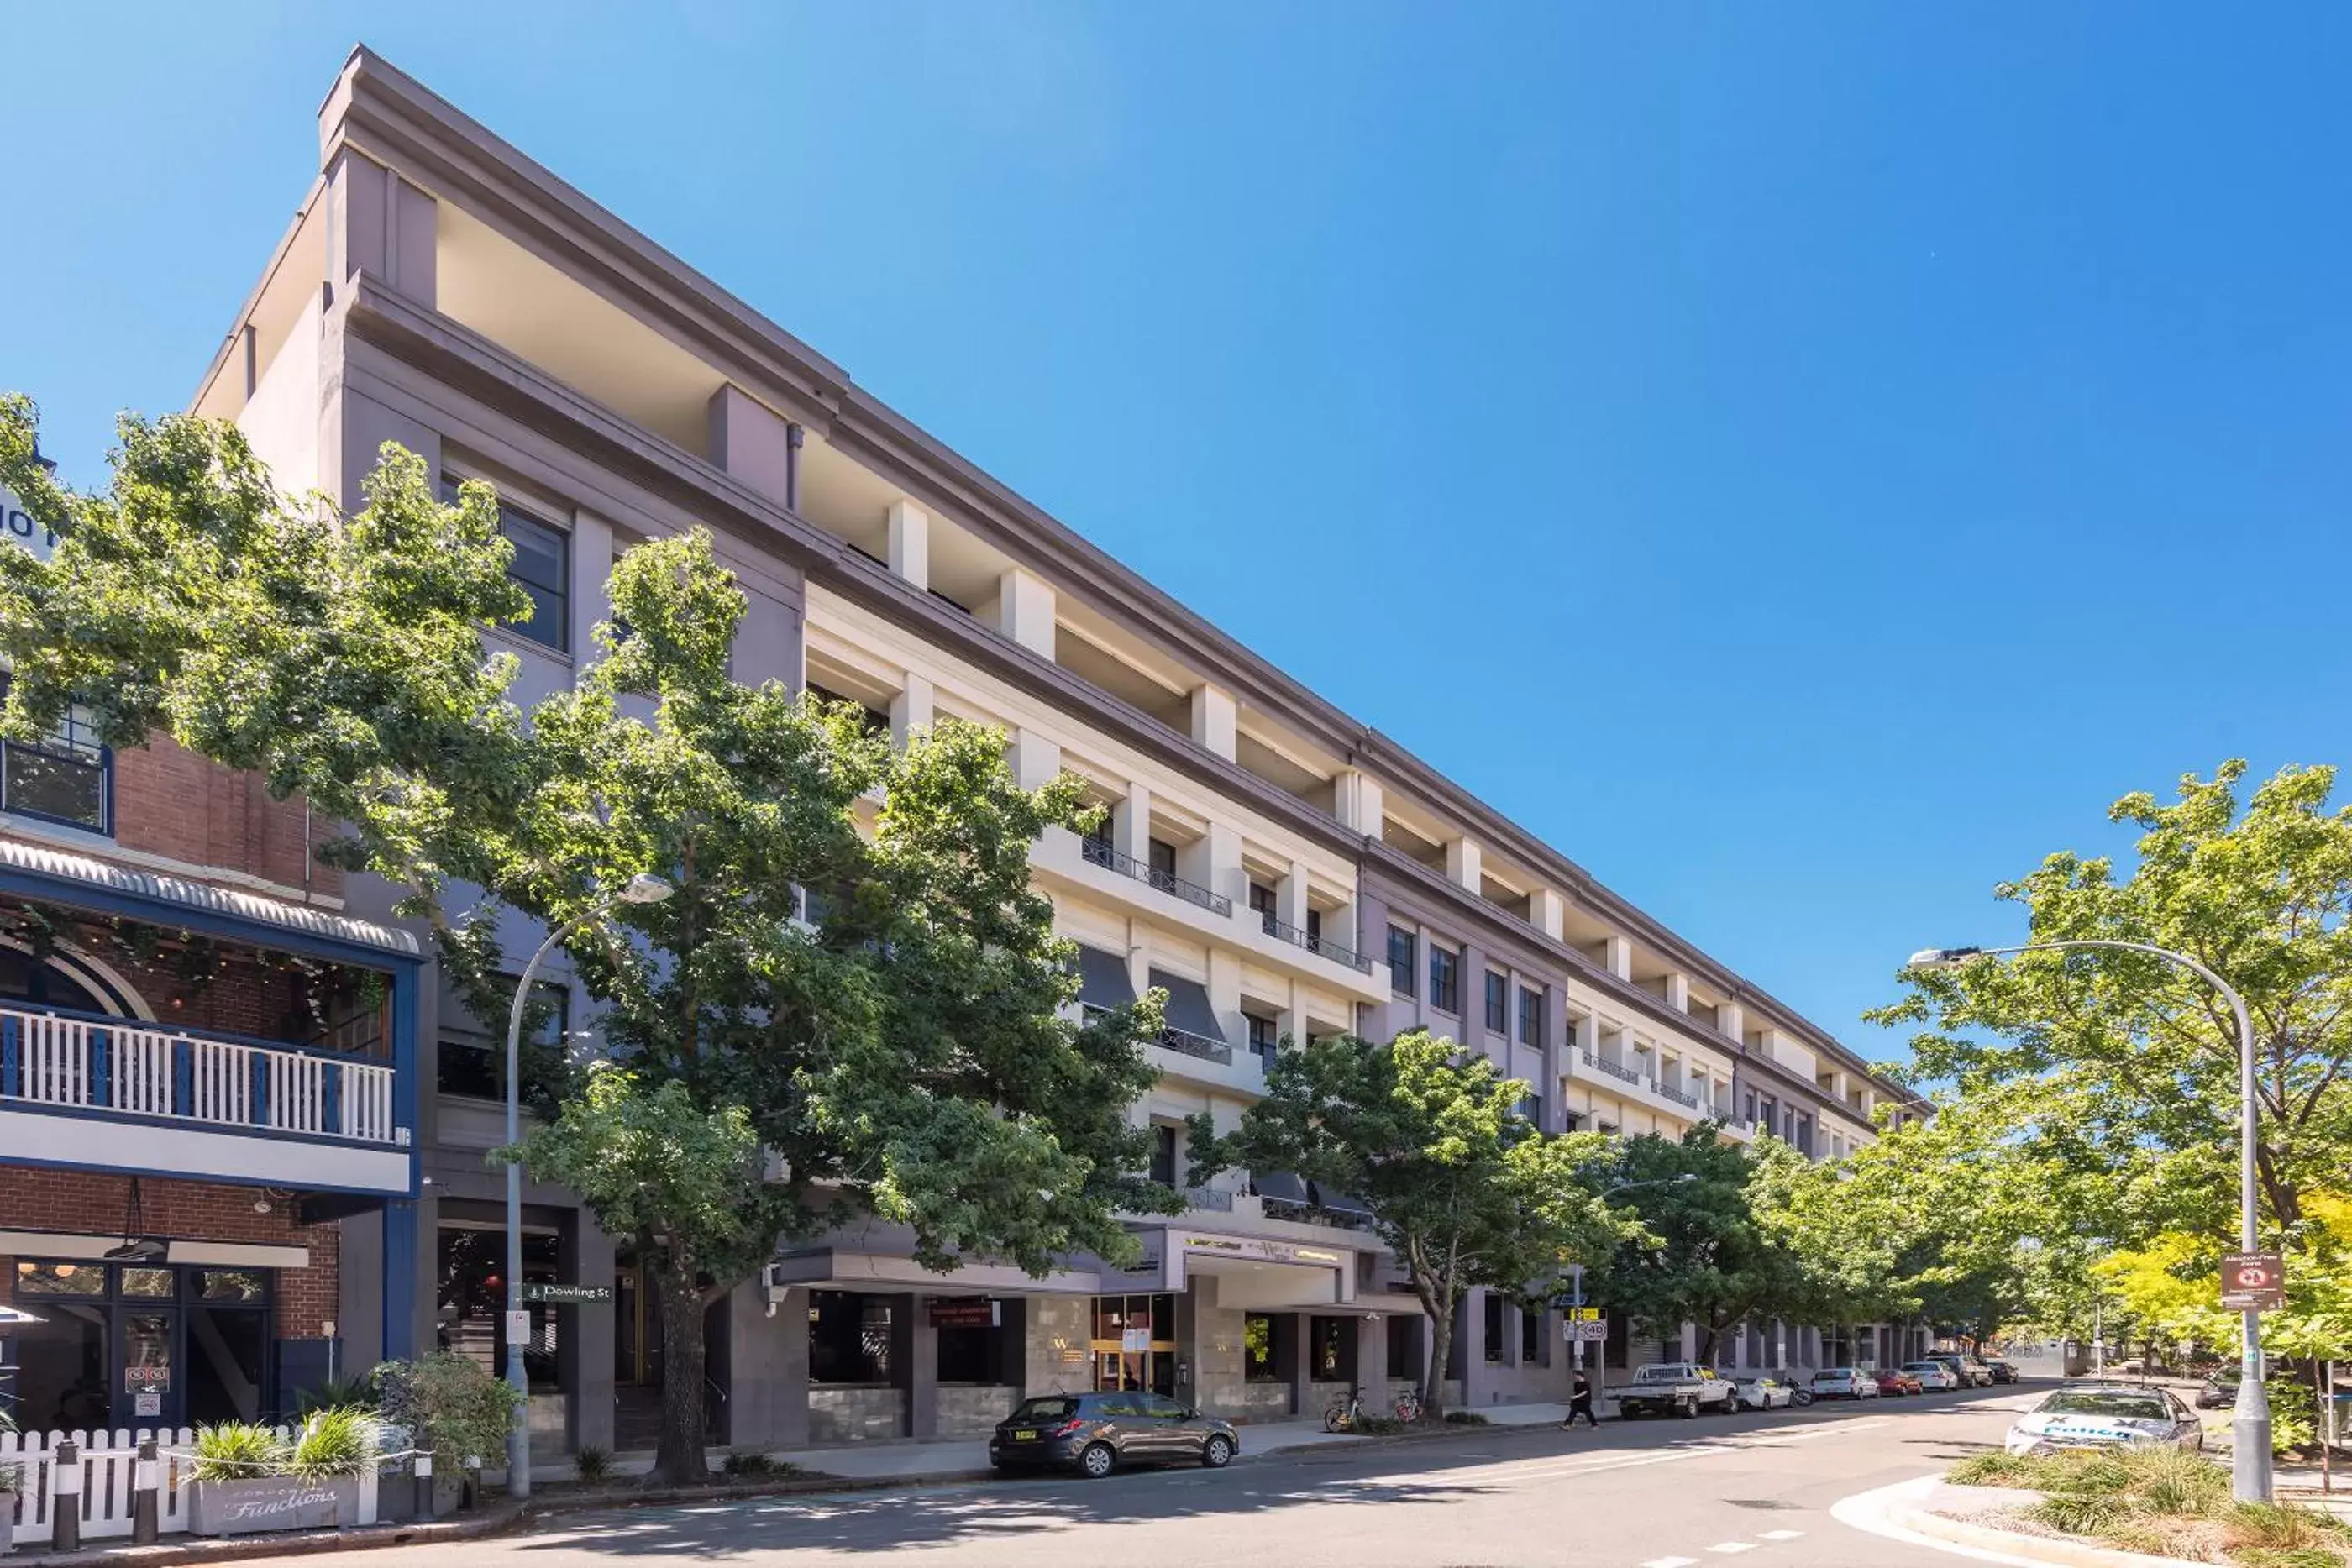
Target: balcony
1614,1069
1678,1097
208,1104
1099,853
1186,1043
1283,931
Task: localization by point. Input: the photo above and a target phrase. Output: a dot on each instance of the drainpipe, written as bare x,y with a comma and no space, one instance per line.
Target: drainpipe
793,435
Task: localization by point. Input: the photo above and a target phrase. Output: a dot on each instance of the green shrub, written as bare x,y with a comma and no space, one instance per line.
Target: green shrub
2287,1557
1464,1419
1375,1425
591,1464
235,1450
357,1393
1999,1469
333,1443
2275,1527
448,1405
758,1465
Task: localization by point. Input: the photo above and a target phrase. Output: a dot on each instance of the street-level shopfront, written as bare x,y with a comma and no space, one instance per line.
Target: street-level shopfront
146,1343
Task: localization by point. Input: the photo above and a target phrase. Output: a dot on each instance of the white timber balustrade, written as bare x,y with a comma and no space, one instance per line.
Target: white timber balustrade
73,1062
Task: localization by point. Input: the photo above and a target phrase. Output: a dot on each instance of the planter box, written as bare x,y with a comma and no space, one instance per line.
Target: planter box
7,1521
272,1503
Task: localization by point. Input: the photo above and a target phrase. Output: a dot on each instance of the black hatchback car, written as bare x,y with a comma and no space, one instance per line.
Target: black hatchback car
1094,1434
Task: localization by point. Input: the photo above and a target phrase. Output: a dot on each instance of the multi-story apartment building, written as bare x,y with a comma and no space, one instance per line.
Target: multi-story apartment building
1280,869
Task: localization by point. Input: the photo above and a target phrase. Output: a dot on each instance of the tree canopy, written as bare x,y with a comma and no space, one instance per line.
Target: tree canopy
1464,1190
898,1043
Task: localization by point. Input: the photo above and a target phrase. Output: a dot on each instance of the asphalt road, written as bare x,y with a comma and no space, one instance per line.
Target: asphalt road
1645,1494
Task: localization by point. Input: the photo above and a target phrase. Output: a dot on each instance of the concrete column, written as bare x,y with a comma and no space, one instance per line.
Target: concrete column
586,1336
1301,1362
1024,610
1356,800
1620,958
1225,994
752,443
911,710
1678,991
1373,1361
1138,955
379,223
766,1367
1547,913
1130,823
1290,897
1555,1059
1036,760
1216,720
916,1348
910,543
1215,860
1463,863
1731,1020
1471,986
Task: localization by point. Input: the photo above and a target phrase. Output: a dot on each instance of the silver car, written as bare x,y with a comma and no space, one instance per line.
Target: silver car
2107,1416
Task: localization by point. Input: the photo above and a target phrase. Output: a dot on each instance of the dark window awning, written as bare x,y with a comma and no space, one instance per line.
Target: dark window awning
1102,979
1279,1185
1337,1202
1188,1006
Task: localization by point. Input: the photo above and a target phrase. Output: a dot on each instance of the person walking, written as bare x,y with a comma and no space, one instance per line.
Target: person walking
1580,1402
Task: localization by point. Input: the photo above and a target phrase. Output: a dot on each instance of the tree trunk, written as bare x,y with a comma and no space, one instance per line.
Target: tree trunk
679,1460
1441,1351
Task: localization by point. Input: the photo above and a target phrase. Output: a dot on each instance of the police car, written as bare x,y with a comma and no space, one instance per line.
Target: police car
2105,1416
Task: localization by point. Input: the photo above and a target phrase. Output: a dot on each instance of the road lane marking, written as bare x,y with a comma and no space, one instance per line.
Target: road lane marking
1671,1563
1728,1547
1782,1535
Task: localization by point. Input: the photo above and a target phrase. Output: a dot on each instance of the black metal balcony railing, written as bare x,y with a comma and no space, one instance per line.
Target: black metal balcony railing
1200,1045
1103,854
1678,1097
1282,930
1625,1073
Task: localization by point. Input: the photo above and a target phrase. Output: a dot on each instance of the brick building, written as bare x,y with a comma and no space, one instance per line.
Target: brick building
205,1080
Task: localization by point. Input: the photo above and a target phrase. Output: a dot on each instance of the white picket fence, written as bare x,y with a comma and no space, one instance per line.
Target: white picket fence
109,1472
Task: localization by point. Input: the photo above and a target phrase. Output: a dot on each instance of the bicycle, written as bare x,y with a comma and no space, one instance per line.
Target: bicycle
1345,1415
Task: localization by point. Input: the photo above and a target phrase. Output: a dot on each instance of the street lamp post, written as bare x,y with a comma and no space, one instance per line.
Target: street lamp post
2249,1426
639,889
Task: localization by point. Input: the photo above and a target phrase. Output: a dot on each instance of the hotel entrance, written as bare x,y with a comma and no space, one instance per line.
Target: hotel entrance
1134,1344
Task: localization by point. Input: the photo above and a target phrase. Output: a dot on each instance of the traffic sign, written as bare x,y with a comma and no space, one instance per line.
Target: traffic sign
1592,1330
567,1295
2253,1282
1583,1315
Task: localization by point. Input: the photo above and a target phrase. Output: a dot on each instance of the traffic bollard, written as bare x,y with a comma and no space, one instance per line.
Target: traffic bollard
65,1497
146,1478
425,1486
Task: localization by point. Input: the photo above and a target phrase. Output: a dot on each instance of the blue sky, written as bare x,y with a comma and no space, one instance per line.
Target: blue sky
1802,459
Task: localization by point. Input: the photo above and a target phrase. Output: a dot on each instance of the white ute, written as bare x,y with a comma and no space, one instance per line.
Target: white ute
1677,1388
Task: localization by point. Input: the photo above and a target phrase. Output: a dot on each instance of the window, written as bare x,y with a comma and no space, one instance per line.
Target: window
1331,1350
972,1347
1445,979
1406,1358
1261,902
1572,1121
1315,928
1163,858
1265,1038
1494,1340
1530,1109
1751,1105
541,568
1531,1018
1163,1155
850,1337
1401,945
1804,1138
473,1049
64,776
1531,1339
871,719
1498,1001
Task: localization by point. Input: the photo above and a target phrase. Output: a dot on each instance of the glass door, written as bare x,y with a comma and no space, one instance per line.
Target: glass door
148,1393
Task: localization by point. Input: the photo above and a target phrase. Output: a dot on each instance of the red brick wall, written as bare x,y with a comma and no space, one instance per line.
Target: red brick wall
168,802
88,1202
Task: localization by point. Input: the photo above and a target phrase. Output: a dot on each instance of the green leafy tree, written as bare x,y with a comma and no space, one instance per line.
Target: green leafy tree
2119,1069
1700,1255
1464,1190
907,1054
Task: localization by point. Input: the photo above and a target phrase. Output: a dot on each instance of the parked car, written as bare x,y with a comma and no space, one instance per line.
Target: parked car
2220,1389
1676,1389
1896,1380
1094,1434
1844,1383
2003,1371
1971,1373
1935,1376
2105,1416
1764,1393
